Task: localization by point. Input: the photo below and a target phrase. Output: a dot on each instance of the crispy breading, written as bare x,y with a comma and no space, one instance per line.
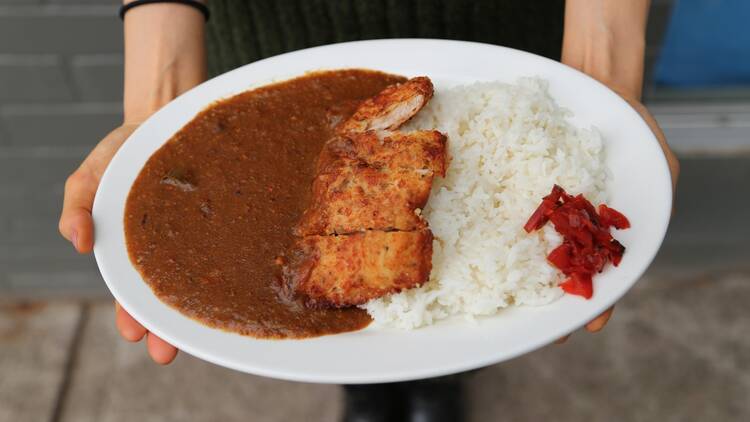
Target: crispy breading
350,196
362,237
421,150
391,108
352,269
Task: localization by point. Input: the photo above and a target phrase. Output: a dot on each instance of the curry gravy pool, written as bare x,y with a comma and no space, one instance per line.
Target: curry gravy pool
214,207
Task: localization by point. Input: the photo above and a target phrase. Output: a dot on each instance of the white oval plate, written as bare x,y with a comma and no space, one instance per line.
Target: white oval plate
640,187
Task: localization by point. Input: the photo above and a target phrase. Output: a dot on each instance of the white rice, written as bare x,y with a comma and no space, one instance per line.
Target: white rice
508,144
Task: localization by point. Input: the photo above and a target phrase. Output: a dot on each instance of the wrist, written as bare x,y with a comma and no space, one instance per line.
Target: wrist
606,40
164,56
154,86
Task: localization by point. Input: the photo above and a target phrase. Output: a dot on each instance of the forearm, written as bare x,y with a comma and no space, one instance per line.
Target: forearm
164,56
606,40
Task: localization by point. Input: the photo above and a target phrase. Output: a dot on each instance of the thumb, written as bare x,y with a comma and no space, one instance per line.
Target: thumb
76,223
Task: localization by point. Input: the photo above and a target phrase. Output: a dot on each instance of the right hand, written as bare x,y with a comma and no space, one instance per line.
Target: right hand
77,226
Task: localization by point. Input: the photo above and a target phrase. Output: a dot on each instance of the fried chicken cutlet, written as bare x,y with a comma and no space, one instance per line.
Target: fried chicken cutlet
351,196
362,236
352,269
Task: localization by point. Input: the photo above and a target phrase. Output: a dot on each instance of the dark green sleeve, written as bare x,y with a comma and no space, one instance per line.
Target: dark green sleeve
243,31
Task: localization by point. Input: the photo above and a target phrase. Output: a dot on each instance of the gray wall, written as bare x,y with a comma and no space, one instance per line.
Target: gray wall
60,92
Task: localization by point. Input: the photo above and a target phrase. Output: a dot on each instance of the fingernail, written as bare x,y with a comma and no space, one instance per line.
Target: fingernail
74,239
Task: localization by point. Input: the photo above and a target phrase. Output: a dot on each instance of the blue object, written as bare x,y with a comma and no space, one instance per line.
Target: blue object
707,44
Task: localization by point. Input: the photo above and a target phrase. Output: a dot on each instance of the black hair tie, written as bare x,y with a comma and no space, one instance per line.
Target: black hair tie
192,3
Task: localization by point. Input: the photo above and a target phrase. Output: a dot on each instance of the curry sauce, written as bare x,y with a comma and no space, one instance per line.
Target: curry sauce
213,209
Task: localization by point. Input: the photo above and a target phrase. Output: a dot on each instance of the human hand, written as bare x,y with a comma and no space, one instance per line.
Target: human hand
76,223
77,226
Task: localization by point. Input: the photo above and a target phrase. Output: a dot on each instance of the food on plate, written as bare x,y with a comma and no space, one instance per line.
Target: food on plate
390,109
350,196
354,268
587,243
422,150
323,181
508,144
214,207
362,235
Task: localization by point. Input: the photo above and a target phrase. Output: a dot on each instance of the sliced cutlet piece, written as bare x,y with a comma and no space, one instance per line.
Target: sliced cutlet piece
391,108
349,196
352,269
419,150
